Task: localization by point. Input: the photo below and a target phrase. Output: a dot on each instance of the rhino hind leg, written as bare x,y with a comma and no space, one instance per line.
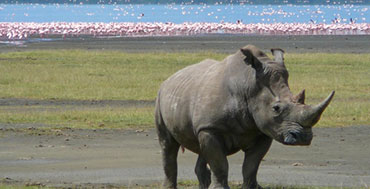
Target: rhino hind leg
170,148
203,173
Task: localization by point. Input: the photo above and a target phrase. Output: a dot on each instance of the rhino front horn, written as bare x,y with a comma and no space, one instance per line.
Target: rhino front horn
317,110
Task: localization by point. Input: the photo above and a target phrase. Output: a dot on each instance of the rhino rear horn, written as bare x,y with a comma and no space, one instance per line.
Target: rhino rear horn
300,97
278,55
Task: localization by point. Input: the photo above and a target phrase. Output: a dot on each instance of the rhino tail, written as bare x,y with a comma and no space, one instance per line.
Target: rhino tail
158,116
161,127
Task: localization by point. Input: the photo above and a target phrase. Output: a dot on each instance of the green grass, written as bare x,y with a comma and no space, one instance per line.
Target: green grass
78,74
99,75
347,74
19,187
90,118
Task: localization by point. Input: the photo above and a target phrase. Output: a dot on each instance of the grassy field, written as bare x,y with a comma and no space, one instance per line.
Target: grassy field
101,75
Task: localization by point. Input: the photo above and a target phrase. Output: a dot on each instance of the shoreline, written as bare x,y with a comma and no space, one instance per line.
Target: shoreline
219,43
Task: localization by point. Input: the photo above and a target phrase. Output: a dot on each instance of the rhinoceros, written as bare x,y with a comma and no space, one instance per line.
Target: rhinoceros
215,109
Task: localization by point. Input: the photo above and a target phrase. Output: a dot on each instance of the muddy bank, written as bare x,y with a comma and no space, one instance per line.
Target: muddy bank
214,43
68,157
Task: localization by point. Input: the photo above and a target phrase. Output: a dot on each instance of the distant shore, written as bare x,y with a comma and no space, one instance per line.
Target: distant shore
220,43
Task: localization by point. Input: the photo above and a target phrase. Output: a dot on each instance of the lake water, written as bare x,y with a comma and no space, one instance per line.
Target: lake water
185,13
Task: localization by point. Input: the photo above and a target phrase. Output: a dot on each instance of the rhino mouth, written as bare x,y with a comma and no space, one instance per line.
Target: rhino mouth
297,136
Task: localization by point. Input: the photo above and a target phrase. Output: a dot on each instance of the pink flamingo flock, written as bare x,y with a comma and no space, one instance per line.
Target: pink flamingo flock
24,30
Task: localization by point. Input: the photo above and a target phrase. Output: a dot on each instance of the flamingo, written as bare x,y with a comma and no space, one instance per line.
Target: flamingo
23,30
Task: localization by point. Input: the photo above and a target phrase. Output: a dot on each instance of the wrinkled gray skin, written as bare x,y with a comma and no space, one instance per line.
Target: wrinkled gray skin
217,108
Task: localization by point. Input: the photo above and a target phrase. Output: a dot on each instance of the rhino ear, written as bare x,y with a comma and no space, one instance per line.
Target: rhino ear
251,59
278,55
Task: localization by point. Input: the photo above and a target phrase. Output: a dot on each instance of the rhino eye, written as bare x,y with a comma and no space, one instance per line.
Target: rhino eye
276,108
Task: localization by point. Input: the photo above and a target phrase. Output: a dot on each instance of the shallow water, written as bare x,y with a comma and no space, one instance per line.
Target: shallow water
185,13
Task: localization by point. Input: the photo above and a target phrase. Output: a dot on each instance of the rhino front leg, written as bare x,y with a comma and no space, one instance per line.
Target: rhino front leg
203,173
252,159
212,150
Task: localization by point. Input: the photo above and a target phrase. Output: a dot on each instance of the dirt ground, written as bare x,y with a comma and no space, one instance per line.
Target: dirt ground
69,157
